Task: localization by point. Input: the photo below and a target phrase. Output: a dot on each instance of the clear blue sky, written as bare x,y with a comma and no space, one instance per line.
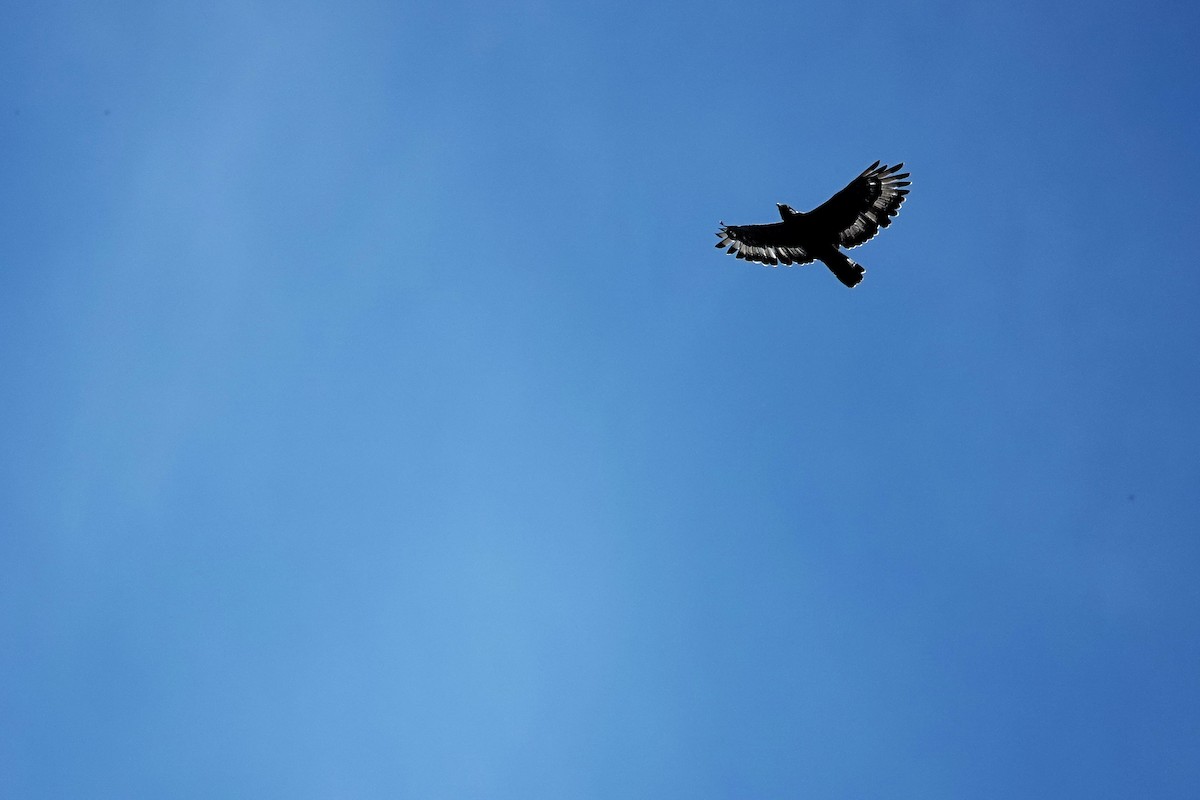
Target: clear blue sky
379,421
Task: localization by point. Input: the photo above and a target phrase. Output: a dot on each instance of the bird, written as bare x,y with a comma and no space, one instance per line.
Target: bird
849,218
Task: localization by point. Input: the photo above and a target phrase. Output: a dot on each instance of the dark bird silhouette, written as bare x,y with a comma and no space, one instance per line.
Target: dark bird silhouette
849,218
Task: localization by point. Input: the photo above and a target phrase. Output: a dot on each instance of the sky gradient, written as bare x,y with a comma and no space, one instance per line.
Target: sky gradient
380,421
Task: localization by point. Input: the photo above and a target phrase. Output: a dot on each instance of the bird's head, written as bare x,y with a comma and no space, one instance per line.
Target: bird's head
786,211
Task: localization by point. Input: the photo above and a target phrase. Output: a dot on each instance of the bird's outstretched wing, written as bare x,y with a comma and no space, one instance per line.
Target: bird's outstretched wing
766,244
868,203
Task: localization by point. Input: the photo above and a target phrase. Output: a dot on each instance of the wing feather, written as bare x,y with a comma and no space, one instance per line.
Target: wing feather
856,213
766,244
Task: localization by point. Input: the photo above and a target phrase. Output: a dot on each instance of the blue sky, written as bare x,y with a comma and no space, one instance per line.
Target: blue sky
380,421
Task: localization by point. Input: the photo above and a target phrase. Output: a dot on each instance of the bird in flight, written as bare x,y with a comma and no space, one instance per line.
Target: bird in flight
849,218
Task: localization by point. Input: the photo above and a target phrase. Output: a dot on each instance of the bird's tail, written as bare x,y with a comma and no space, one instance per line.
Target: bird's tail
846,270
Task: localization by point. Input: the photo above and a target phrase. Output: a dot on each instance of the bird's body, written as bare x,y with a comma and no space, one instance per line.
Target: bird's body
849,218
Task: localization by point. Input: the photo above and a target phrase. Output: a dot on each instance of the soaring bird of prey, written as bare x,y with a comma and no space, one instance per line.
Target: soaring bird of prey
849,218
